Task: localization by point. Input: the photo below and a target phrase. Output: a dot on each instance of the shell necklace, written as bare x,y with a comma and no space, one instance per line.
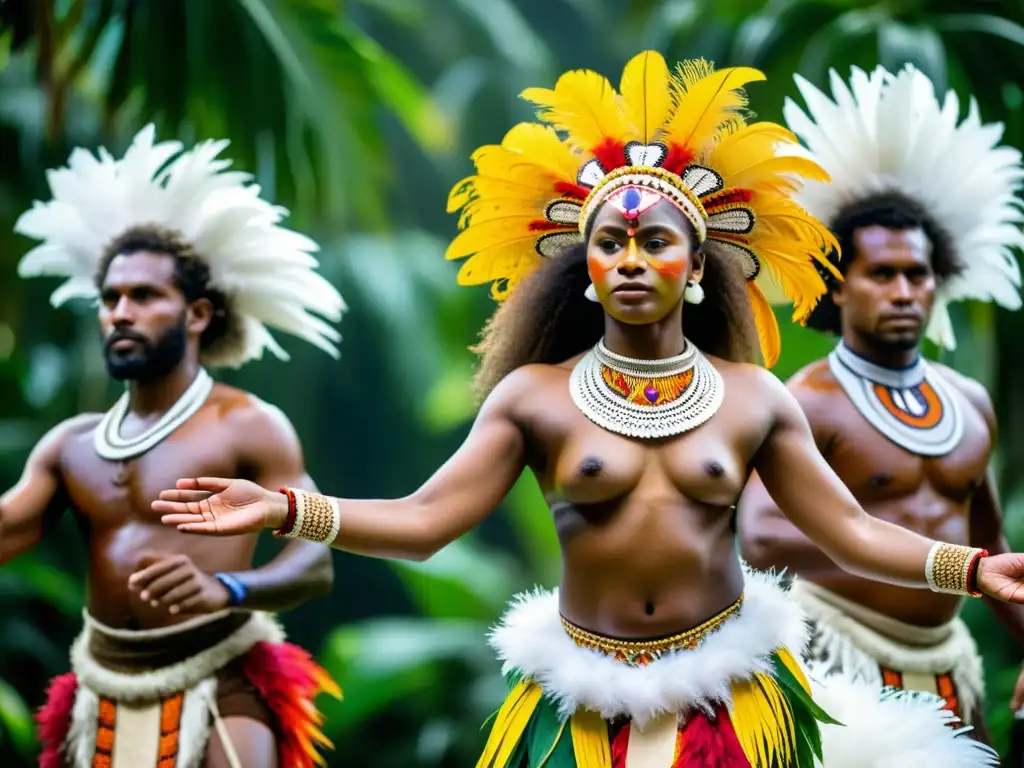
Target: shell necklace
107,438
646,398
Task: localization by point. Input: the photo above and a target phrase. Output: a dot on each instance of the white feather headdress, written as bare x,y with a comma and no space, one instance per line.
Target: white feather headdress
888,133
266,271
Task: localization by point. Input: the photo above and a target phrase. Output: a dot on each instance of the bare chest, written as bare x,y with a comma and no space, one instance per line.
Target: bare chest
112,493
578,462
877,469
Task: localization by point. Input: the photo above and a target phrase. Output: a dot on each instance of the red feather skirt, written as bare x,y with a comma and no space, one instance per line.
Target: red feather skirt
286,677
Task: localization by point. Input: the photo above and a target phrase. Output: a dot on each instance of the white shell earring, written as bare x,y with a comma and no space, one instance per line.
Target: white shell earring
693,294
591,293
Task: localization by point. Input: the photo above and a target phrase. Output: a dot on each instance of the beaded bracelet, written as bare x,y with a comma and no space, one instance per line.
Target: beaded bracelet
289,522
311,516
953,569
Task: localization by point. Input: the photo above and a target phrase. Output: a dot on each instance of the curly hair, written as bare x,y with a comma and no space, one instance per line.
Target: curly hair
892,211
547,319
191,277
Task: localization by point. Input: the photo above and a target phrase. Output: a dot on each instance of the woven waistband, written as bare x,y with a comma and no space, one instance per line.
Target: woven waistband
132,652
643,652
814,596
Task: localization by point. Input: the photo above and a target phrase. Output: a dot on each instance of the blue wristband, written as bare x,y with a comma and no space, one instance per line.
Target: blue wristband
235,588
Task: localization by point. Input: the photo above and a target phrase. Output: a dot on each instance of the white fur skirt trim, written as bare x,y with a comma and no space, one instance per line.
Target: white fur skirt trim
880,729
892,729
138,696
531,641
858,642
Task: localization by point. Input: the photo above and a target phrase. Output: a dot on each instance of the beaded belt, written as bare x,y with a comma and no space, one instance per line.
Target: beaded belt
639,653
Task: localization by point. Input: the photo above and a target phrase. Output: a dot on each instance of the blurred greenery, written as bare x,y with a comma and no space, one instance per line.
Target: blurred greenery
359,116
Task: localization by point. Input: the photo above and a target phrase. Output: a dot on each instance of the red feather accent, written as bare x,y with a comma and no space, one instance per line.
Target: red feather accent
727,197
568,189
733,237
543,225
619,745
289,680
53,719
707,742
611,154
677,159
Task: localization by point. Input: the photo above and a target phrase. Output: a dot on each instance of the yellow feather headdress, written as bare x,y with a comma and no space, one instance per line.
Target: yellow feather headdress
682,136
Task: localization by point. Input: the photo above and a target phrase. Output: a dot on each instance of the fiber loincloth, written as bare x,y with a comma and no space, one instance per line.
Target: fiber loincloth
878,650
149,699
737,698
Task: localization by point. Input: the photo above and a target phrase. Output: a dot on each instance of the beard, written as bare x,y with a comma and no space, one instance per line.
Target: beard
148,359
898,341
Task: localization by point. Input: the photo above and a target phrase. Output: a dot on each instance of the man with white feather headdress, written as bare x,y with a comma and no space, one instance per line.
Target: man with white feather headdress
179,662
926,213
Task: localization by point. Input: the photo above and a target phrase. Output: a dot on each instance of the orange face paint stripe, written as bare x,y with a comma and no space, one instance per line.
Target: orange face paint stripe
598,269
669,270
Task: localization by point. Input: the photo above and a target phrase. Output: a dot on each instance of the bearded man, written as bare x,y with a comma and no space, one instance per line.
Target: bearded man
179,662
924,211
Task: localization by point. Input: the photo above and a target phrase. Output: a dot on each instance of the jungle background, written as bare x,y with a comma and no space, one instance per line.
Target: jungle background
359,115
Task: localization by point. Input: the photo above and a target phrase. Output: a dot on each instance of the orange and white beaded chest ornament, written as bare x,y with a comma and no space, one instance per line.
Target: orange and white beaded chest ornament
680,137
913,407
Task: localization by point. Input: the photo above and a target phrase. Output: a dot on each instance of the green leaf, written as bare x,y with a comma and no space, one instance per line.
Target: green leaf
274,33
919,44
530,517
16,719
455,93
984,23
464,580
786,679
43,580
754,37
383,661
671,20
735,11
510,34
401,92
847,30
405,282
409,13
449,402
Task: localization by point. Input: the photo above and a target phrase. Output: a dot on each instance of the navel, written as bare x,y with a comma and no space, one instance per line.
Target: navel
714,469
590,467
649,608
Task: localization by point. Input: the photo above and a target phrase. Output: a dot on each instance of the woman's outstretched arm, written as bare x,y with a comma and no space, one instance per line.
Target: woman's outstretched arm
458,496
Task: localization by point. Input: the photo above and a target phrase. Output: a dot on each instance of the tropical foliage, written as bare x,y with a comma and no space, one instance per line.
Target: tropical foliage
359,116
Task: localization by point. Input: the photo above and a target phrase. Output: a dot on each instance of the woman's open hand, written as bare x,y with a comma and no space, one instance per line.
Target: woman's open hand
1002,577
218,507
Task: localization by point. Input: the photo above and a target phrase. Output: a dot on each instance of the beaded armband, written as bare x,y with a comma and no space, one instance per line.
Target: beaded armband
953,569
311,516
